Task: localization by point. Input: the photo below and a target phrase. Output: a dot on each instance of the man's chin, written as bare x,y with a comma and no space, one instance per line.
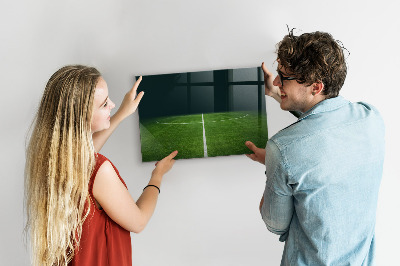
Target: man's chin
285,108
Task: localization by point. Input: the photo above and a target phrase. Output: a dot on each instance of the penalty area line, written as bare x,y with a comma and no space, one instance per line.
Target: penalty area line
204,138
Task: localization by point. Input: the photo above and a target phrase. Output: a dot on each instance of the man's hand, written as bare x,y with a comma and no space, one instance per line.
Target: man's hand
270,89
259,154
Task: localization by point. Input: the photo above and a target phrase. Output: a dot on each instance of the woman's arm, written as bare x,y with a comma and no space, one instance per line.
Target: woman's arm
128,107
116,201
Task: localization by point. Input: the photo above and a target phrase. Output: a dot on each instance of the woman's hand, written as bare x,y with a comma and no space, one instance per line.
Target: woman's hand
128,107
270,89
163,166
131,101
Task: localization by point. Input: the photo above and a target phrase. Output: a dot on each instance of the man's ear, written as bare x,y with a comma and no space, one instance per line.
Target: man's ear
317,88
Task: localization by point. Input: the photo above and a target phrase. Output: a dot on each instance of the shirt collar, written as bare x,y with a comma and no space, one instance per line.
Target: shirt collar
325,106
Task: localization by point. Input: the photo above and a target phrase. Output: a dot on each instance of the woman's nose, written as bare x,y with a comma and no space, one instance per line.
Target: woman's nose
112,105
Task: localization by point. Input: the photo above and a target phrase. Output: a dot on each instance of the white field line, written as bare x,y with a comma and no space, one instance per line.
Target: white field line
223,120
204,138
204,131
175,123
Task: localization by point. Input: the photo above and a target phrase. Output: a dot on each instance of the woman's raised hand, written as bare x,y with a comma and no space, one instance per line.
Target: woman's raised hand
131,101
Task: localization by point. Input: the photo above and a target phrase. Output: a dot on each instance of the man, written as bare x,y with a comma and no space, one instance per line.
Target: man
323,171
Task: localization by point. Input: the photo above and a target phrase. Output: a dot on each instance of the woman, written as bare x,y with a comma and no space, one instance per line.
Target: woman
78,207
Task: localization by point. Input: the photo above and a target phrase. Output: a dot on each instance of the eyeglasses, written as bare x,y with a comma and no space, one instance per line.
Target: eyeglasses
282,78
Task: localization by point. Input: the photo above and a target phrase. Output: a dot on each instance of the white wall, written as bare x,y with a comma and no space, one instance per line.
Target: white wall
208,208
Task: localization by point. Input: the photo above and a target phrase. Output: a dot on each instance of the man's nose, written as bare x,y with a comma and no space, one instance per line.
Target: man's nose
277,81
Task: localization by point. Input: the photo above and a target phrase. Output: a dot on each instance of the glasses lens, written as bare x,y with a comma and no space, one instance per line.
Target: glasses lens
280,78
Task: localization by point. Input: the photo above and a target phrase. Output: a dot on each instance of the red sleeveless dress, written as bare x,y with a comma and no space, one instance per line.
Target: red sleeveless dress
103,241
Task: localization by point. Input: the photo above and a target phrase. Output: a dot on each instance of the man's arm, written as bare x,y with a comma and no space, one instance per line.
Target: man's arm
128,107
270,89
258,155
276,206
276,211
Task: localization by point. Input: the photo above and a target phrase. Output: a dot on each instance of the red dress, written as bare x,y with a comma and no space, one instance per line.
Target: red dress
103,241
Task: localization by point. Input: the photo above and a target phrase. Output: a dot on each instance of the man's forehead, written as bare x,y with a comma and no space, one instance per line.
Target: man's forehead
283,70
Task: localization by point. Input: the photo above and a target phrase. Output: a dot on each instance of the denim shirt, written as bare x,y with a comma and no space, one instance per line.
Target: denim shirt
323,176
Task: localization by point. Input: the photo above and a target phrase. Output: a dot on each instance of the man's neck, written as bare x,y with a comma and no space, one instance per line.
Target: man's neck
316,100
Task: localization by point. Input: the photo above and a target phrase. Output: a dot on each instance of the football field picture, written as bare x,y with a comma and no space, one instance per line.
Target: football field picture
202,114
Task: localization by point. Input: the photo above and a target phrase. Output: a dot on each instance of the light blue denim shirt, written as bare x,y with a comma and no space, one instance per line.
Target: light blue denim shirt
323,176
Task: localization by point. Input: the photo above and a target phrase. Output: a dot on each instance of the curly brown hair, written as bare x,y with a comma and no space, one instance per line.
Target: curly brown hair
314,57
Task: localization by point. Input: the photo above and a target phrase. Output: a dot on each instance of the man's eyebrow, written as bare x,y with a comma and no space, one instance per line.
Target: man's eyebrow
279,72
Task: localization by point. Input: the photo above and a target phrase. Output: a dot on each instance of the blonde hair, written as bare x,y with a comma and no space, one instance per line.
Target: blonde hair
59,161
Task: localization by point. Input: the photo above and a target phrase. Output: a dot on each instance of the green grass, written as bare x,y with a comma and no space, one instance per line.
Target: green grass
226,134
229,132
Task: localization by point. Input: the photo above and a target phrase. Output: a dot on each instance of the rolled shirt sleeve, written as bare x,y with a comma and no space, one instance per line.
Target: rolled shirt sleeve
277,209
